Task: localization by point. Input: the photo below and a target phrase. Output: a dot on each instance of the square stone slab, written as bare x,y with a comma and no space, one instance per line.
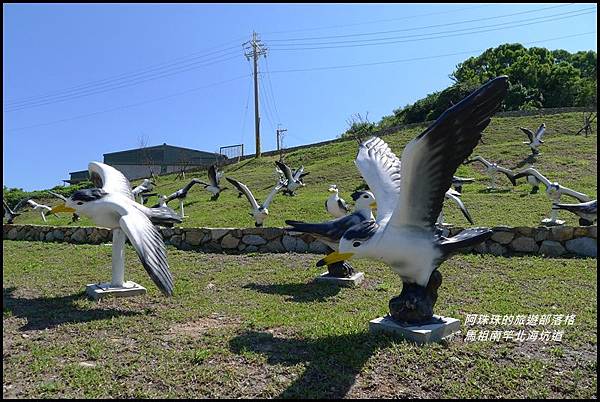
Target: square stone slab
97,291
419,333
352,281
550,222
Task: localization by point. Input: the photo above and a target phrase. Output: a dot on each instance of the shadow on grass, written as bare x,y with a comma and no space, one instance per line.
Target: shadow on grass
494,190
49,312
299,292
333,362
528,160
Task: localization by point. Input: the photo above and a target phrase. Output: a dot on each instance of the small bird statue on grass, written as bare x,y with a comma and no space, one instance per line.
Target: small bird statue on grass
491,169
335,205
260,212
587,211
146,186
553,191
535,140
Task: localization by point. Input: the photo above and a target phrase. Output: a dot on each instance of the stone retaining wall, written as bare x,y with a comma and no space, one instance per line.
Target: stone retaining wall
552,242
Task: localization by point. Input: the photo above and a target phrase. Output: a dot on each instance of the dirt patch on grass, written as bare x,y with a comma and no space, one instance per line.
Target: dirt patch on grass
195,329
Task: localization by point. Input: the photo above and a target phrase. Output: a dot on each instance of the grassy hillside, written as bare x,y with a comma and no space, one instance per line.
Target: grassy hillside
567,158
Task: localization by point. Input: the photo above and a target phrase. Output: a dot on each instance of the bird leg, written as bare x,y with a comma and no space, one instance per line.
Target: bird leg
43,216
118,258
415,303
181,206
493,181
340,269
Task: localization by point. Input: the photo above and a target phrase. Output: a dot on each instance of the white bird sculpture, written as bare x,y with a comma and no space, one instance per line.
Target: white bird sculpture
554,191
335,205
587,211
410,197
111,205
146,186
43,209
535,140
293,180
260,212
491,169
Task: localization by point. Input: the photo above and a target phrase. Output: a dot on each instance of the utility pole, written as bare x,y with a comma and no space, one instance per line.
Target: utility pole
280,131
255,49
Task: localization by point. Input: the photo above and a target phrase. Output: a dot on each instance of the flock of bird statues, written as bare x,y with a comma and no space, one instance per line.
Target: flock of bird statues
407,194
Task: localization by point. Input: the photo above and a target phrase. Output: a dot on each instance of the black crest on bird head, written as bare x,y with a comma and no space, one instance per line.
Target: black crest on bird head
356,195
361,231
88,194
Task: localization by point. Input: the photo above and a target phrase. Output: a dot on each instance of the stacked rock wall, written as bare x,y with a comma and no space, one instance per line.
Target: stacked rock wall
551,242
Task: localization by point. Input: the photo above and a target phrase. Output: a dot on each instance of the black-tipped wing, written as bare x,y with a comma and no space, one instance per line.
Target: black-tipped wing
581,208
332,230
150,248
242,188
286,171
455,196
212,176
342,204
430,160
529,133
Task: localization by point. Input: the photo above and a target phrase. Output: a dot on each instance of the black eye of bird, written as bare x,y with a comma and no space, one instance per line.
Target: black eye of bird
356,244
80,203
365,196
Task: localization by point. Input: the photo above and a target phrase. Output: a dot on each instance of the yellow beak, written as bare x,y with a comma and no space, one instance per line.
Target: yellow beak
61,208
333,258
373,205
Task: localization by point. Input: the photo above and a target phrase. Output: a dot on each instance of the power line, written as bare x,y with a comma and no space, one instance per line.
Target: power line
127,74
114,86
271,90
289,71
443,34
128,106
378,21
247,102
422,27
417,58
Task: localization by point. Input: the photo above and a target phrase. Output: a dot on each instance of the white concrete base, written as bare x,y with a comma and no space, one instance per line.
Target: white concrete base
352,281
97,291
435,332
552,222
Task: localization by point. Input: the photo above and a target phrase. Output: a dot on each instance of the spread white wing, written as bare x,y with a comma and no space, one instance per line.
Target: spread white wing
380,168
150,248
109,179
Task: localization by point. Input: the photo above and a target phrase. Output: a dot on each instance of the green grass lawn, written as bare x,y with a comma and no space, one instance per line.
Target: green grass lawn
569,159
256,325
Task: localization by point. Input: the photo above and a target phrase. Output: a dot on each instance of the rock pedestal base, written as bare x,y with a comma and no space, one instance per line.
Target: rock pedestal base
351,281
97,291
434,331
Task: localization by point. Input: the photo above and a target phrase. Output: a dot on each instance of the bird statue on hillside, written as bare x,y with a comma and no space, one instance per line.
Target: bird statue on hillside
43,209
587,211
181,195
111,204
214,177
409,199
335,205
454,195
458,182
554,191
535,140
146,186
11,214
330,232
292,180
491,170
260,212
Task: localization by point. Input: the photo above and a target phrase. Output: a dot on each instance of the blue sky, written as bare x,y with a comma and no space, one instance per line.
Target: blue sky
83,80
